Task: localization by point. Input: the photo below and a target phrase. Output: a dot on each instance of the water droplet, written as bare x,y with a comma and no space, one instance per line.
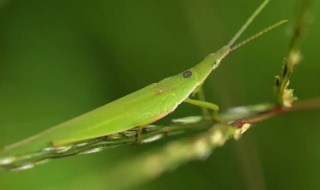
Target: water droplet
94,150
23,167
7,160
152,139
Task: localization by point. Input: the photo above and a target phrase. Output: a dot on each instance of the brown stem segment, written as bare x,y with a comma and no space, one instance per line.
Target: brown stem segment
278,110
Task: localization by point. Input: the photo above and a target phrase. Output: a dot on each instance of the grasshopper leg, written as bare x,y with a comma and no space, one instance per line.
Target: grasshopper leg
206,105
203,104
201,97
139,133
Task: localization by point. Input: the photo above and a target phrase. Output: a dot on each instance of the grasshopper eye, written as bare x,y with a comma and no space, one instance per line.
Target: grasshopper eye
187,74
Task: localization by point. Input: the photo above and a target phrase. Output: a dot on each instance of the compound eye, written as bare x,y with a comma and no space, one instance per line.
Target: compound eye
187,74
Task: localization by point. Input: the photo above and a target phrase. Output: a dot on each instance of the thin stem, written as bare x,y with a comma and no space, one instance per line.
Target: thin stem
278,110
293,56
151,164
192,125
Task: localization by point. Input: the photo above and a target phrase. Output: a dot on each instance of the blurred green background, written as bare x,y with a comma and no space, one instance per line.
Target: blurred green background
59,59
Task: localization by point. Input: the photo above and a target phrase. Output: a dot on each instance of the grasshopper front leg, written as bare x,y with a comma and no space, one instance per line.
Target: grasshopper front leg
139,133
205,106
201,97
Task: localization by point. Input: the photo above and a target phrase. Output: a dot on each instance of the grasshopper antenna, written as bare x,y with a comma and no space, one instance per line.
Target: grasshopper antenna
258,34
247,23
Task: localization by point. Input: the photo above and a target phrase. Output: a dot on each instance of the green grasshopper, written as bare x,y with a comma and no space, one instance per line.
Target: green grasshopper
137,109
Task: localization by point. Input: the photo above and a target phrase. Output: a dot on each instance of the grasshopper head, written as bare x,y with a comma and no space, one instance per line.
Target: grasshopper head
211,62
216,57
